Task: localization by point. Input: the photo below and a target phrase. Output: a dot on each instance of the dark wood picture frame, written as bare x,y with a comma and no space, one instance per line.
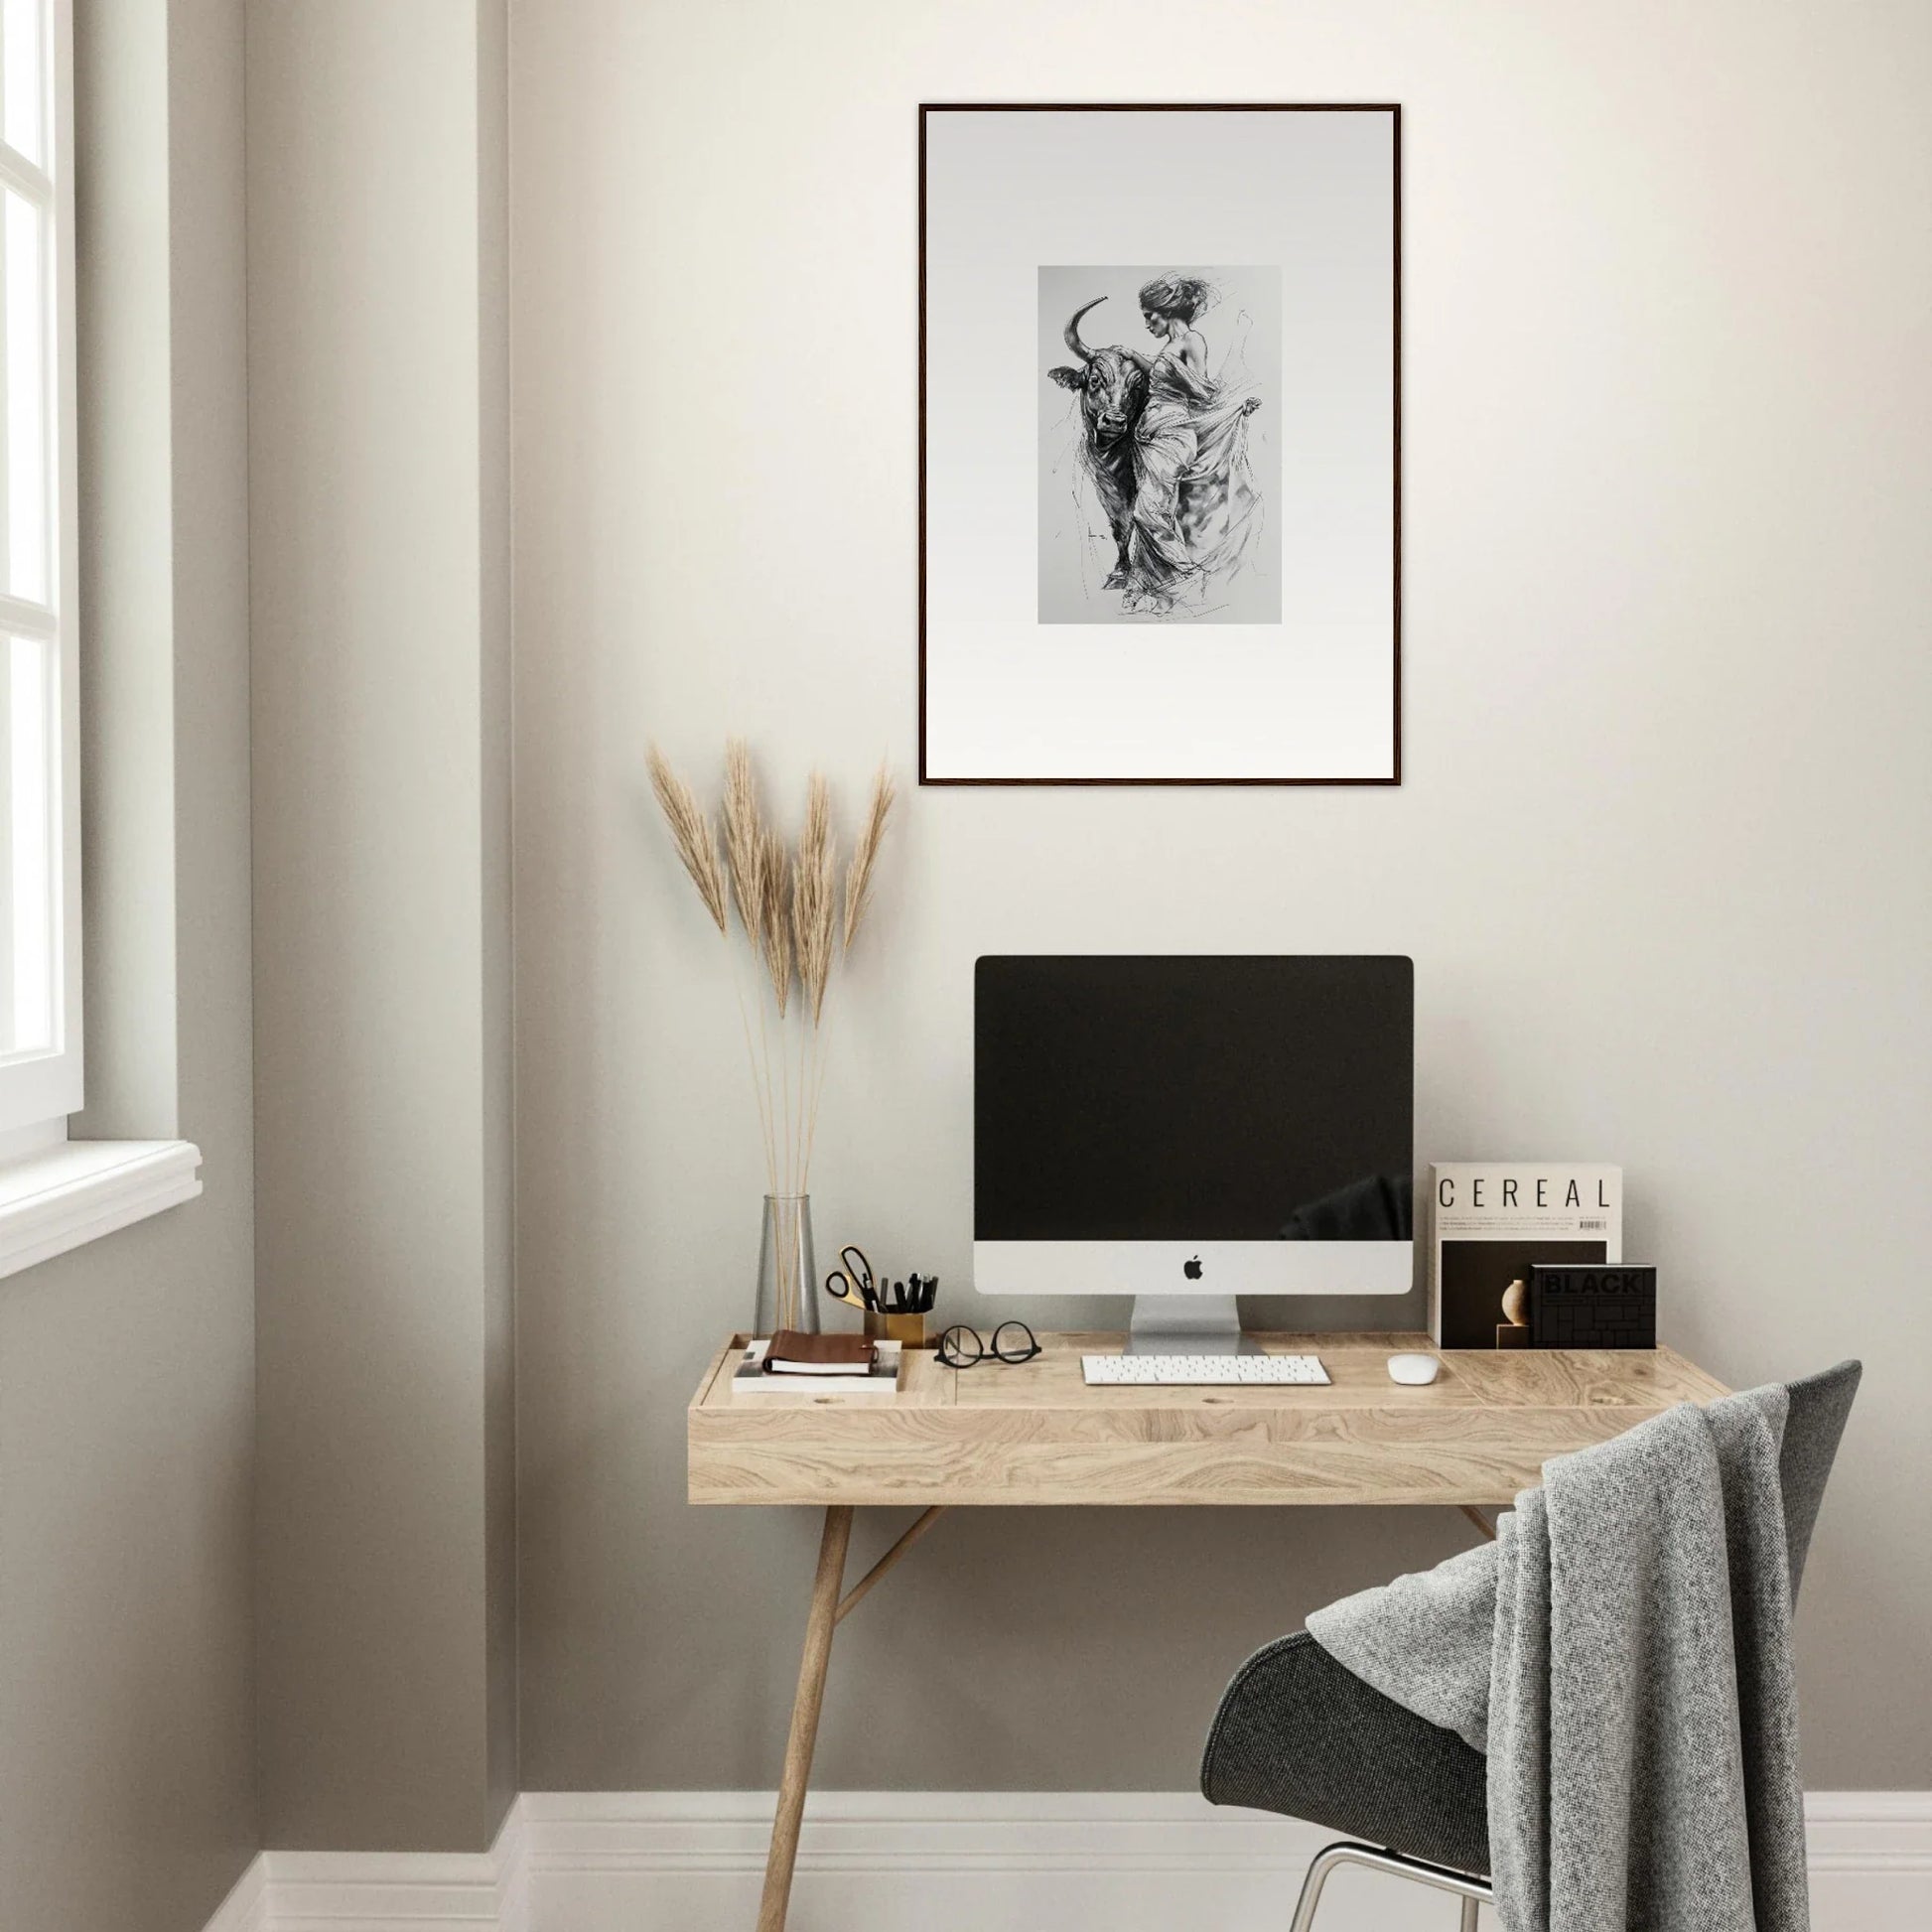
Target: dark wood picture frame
1390,108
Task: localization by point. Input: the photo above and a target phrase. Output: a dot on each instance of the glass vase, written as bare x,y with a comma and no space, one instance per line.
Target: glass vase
788,1268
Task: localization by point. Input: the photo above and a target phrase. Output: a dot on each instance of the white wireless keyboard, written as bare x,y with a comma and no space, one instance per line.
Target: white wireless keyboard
1201,1371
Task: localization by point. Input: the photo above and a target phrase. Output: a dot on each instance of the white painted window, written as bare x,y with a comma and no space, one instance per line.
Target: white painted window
56,1193
40,802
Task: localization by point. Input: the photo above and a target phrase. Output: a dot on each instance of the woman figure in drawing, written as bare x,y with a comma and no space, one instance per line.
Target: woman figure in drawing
1196,505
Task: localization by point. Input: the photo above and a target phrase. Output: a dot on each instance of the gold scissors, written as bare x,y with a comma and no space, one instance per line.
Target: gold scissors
852,1281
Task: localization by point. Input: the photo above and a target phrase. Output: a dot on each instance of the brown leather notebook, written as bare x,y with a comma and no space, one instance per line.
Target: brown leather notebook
793,1353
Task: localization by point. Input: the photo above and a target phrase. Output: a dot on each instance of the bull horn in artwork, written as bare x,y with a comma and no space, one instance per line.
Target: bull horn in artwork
1073,341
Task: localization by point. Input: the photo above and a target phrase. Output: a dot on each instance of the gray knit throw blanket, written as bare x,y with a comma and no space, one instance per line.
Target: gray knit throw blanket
1623,1652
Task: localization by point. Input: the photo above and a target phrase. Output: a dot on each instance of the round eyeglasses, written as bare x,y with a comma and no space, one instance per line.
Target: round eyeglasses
1012,1342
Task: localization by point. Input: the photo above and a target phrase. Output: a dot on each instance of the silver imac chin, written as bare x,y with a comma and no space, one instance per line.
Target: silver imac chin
1184,1293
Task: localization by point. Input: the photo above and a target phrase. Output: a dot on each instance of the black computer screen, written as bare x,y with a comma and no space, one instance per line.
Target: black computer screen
1246,1098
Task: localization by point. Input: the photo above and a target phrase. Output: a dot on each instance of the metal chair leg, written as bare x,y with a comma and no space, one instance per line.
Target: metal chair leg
1323,1863
1473,1891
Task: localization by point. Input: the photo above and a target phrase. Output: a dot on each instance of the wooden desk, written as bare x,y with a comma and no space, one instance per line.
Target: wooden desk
1034,1434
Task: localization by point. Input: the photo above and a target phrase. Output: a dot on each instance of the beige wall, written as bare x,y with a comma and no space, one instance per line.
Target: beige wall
1660,855
379,507
127,1799
495,893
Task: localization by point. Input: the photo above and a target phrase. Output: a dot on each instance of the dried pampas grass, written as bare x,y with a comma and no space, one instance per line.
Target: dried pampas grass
787,902
865,853
814,897
691,833
743,837
775,916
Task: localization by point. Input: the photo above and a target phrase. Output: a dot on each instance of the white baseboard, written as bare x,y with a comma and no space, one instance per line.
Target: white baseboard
385,1892
955,1861
245,1909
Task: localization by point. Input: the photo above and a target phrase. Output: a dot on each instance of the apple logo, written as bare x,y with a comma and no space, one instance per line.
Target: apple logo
1191,1268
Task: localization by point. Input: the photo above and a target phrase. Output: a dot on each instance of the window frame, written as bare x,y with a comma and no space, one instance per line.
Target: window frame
38,1091
57,1192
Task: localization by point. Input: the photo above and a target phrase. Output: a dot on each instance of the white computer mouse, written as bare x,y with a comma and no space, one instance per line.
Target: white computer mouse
1413,1369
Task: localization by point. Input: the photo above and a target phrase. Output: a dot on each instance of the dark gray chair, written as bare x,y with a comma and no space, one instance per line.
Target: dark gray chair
1298,1733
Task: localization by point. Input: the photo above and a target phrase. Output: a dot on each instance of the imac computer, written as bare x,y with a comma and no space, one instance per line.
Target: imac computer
1186,1129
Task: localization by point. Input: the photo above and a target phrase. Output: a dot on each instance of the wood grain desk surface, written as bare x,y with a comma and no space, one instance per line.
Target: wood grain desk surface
1034,1433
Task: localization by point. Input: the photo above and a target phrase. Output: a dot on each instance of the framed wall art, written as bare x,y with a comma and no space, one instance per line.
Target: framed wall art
1159,445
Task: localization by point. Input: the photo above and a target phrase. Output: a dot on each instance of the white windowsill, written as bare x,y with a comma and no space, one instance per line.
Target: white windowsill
78,1191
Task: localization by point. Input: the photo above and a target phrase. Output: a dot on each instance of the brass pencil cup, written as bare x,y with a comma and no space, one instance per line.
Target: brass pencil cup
907,1329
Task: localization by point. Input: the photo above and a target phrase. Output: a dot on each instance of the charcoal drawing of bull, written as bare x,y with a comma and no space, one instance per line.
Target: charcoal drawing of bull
1112,387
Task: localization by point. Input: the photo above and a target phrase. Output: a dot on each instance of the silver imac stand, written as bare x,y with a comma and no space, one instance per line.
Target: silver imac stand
1187,1325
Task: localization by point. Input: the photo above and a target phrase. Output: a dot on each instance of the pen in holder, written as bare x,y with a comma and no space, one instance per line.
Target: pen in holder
903,1309
893,1311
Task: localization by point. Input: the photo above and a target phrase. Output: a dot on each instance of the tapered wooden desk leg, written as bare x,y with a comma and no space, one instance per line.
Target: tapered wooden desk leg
805,1719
